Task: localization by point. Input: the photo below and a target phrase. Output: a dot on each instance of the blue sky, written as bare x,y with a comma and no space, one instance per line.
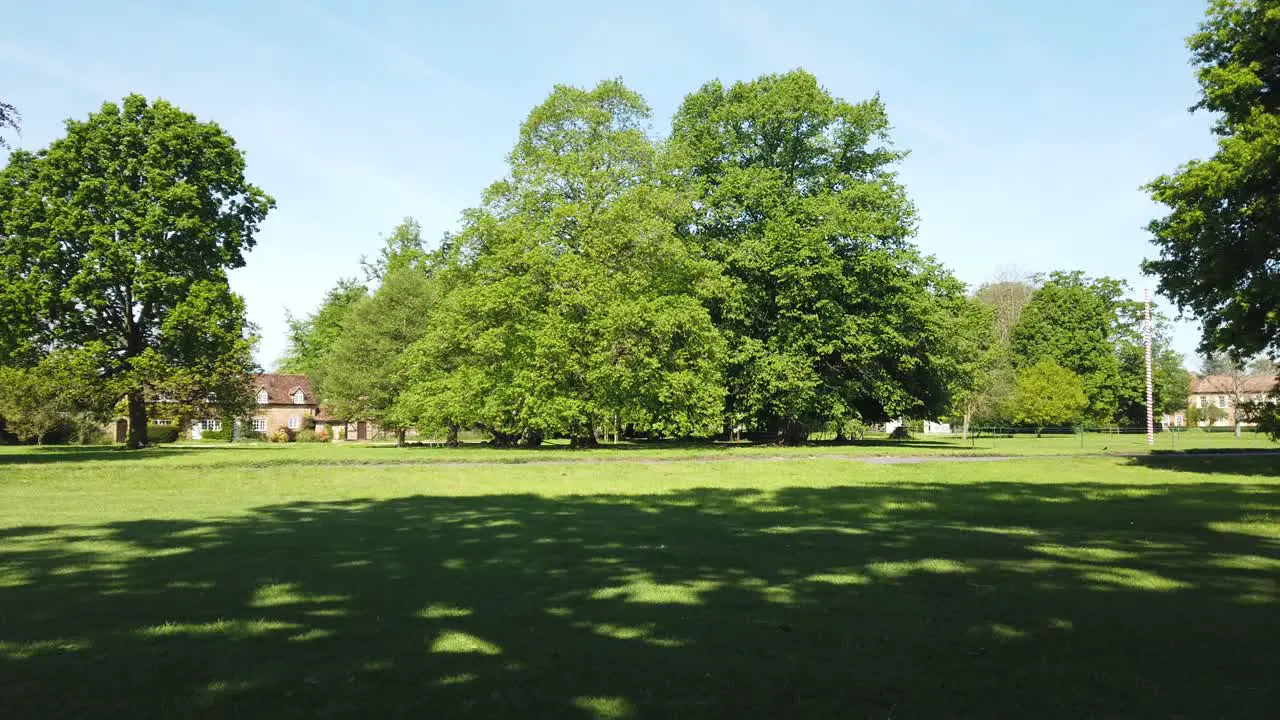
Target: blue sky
1031,125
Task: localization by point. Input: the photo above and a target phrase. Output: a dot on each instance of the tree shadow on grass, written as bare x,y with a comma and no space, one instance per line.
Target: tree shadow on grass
40,455
709,446
1239,463
924,600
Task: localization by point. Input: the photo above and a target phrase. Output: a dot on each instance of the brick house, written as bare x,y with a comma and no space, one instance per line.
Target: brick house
282,401
1223,392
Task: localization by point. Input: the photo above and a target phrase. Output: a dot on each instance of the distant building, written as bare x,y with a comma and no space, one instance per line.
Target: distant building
281,402
1224,392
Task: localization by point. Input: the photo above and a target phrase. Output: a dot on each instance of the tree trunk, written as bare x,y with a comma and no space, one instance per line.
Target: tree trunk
137,420
400,437
452,439
1237,428
964,431
504,439
791,433
532,438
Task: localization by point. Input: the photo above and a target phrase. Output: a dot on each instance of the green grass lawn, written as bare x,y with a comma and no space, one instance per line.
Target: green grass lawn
314,581
197,454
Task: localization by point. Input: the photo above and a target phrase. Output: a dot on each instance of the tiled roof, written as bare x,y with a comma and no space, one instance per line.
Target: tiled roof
280,388
1226,385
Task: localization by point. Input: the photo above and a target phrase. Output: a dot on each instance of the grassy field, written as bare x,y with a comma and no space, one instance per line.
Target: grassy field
197,454
318,581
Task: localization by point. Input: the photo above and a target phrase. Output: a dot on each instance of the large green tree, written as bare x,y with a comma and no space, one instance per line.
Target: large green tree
1048,394
1219,243
580,306
830,313
1078,323
362,377
991,401
110,234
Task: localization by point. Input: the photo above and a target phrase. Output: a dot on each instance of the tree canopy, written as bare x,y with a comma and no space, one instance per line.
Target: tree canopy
116,241
361,368
829,312
1076,321
1048,394
1219,243
578,304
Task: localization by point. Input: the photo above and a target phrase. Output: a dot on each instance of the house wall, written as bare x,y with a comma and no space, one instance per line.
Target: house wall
1211,399
341,432
277,416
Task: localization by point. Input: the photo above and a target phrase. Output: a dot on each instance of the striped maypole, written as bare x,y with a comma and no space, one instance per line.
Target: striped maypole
1146,326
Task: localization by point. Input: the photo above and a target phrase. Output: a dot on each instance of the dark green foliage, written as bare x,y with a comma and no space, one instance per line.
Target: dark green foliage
224,435
362,374
1078,322
308,436
829,312
164,434
1223,223
575,306
63,391
116,240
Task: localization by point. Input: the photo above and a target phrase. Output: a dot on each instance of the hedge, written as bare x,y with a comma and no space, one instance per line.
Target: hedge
162,433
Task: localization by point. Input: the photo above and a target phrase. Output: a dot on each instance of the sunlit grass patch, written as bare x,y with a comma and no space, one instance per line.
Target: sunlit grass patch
456,641
232,628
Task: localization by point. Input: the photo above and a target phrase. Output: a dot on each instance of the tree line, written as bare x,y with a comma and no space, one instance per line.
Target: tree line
751,271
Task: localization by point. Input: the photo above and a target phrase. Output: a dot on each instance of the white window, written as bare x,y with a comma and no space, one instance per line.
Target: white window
262,396
1200,401
298,397
294,423
161,421
214,424
1222,401
259,424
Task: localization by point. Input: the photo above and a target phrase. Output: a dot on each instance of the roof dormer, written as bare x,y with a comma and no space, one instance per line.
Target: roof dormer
262,396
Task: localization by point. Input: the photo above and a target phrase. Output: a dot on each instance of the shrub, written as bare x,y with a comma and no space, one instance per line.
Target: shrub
162,434
310,436
281,435
900,433
854,429
252,435
223,435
